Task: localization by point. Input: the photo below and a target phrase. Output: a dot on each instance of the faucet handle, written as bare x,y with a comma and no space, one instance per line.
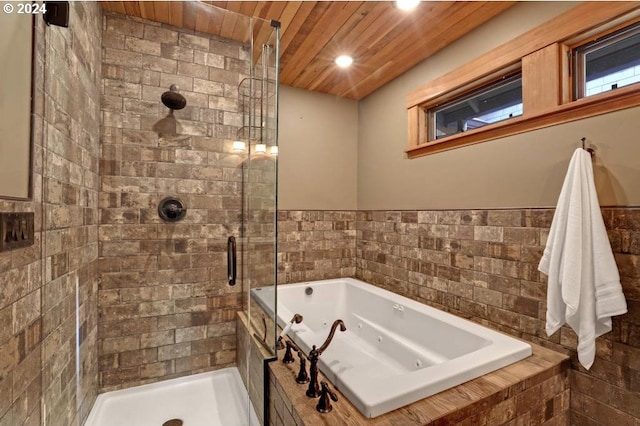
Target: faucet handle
325,388
288,355
324,404
302,377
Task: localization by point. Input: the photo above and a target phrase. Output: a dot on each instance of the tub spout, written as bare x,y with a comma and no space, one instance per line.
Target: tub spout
326,343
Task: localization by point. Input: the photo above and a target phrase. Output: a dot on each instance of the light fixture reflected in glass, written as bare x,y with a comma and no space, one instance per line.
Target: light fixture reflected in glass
238,146
274,150
344,61
261,148
407,5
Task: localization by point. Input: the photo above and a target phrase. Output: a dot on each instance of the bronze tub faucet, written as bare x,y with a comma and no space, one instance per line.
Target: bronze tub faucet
314,388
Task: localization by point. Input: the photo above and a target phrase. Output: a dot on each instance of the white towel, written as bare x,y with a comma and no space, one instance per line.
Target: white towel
584,285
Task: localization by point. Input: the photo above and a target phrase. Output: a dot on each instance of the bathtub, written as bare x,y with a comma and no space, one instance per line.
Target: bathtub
395,351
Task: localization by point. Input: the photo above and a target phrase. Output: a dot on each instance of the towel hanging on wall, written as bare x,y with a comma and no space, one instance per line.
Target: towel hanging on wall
583,288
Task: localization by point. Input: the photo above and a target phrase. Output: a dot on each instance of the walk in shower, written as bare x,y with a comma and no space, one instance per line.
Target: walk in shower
175,277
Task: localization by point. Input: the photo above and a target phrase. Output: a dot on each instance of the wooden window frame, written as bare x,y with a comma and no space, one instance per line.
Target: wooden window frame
547,94
582,49
432,109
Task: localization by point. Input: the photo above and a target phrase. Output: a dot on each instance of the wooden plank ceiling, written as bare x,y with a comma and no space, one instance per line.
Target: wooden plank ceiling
383,40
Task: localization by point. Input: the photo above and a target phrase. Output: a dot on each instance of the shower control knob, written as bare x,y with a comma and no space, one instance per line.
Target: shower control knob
171,209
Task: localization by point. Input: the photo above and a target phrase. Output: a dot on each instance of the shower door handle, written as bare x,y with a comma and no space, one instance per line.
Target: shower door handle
231,260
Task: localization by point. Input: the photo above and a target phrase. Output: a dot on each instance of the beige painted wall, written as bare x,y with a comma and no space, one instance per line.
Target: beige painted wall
322,168
526,170
318,138
15,104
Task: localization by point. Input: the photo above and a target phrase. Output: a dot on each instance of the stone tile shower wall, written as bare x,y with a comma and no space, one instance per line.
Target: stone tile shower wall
166,309
21,319
70,201
482,264
48,292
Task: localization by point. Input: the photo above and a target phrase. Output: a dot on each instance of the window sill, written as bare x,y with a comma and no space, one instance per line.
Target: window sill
623,98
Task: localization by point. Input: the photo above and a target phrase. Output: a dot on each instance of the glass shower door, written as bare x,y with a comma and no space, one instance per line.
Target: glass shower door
258,95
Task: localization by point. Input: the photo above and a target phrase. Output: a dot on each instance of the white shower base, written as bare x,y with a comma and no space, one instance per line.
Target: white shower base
216,398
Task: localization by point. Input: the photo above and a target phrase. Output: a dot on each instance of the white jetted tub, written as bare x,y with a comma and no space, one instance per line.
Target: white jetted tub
395,351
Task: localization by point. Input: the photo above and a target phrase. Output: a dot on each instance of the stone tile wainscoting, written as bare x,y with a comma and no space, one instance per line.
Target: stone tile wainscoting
166,309
482,265
316,245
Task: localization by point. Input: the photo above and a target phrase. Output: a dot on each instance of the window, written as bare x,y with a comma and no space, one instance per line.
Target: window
608,63
489,104
582,63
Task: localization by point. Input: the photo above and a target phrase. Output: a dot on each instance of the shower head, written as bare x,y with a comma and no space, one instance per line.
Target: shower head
173,99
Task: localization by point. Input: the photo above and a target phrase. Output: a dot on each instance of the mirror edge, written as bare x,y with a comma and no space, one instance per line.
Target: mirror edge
32,118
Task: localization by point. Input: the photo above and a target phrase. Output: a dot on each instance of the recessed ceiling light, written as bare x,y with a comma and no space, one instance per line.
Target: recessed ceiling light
407,5
344,61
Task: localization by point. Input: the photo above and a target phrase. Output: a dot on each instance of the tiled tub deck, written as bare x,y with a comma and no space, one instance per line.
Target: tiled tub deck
534,391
